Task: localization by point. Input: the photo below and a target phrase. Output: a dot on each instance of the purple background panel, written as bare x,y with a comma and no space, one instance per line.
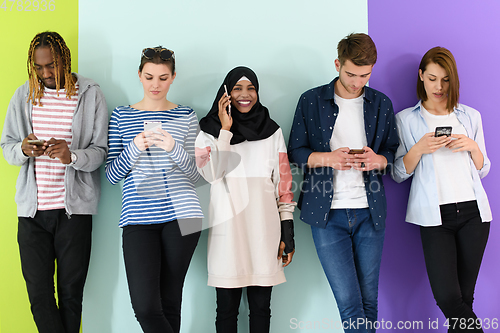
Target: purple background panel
403,31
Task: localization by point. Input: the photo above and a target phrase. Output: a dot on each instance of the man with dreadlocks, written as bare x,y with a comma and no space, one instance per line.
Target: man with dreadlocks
56,130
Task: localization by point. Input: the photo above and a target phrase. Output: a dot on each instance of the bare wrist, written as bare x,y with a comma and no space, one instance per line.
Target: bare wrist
415,151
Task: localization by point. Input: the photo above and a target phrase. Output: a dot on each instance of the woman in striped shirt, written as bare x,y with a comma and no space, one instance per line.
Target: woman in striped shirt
151,147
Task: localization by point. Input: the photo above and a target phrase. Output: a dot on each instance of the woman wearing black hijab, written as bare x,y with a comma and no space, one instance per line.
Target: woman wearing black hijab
241,152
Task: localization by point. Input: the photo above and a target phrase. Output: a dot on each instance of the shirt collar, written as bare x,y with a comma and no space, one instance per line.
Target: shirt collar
458,109
330,92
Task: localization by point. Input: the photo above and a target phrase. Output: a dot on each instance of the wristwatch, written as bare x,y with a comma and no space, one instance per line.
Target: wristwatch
74,158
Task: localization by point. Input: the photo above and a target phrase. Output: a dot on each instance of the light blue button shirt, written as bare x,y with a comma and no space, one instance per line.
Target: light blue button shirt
423,203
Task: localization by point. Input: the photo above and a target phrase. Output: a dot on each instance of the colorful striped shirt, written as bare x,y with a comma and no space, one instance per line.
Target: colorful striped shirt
52,119
159,185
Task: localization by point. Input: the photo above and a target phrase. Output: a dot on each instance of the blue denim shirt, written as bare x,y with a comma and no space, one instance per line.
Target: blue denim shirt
423,203
312,129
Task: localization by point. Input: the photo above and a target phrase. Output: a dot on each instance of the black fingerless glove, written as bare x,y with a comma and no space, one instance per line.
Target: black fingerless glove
287,235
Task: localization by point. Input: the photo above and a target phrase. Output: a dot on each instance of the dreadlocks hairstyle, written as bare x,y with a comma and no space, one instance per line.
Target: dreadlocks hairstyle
57,46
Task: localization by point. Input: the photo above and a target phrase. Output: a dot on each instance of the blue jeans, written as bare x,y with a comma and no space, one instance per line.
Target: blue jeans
350,251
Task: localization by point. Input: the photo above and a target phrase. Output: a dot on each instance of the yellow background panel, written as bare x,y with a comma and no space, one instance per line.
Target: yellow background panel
20,21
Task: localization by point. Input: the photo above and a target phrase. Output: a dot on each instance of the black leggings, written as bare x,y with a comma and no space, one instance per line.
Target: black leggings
157,258
228,303
453,253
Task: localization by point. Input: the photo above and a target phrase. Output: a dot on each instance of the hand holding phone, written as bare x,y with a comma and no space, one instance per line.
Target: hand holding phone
34,147
357,151
229,107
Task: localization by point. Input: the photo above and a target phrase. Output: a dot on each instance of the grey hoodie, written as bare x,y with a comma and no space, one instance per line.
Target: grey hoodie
89,143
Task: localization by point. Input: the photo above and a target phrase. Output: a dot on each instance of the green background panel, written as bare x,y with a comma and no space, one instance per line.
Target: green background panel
19,23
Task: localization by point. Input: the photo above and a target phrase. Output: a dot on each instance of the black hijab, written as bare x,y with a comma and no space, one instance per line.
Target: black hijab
253,125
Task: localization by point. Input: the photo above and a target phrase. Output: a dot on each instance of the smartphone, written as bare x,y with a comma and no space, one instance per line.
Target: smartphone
356,151
36,142
152,126
229,107
443,130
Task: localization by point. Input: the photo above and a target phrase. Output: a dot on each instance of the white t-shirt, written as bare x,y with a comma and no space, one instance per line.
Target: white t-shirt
453,170
349,131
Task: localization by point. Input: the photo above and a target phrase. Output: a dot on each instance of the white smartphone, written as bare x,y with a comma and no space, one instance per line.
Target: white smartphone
152,126
229,107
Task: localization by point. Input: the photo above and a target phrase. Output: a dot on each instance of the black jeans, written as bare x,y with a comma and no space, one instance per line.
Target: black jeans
157,258
48,237
453,253
228,303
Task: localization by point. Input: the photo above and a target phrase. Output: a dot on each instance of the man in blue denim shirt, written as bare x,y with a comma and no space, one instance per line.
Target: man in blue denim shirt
344,137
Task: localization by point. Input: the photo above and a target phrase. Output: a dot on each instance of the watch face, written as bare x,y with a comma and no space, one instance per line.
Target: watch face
73,157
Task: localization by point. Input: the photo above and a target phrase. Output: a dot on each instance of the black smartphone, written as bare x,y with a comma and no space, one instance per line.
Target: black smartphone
443,130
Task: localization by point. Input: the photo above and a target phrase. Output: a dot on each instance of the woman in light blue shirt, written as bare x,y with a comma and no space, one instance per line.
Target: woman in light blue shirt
446,198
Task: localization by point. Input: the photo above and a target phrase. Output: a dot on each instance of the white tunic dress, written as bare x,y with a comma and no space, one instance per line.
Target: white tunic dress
250,195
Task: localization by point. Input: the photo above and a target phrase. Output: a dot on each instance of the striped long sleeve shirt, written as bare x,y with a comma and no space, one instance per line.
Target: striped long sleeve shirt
158,185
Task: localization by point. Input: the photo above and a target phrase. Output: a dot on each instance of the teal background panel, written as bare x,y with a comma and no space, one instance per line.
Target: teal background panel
291,45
